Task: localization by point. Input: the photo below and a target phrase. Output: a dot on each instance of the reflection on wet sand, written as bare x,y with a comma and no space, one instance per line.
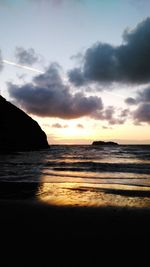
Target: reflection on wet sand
88,195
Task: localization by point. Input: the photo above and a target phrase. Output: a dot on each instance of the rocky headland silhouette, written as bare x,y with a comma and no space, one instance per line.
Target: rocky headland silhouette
18,131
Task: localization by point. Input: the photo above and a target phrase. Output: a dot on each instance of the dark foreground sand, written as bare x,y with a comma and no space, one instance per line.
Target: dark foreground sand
34,234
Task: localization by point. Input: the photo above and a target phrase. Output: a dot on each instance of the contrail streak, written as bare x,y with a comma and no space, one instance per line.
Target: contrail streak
21,66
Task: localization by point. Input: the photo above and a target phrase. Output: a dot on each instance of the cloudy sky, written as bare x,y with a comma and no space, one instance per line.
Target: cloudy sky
81,68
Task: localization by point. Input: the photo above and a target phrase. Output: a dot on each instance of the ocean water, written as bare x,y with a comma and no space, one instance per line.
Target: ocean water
80,175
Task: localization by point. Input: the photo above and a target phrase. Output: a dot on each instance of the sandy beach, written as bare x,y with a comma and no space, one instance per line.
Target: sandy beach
34,234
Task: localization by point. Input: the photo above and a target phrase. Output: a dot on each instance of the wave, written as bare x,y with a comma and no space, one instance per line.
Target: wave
100,167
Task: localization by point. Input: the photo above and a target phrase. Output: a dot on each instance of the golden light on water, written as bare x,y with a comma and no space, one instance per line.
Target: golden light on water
83,194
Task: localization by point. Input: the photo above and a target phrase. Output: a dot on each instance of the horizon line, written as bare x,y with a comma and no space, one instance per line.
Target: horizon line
88,144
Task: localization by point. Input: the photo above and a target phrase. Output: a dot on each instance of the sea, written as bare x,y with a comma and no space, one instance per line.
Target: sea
78,175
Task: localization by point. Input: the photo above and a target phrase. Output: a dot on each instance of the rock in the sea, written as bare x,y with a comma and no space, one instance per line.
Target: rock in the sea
18,131
102,143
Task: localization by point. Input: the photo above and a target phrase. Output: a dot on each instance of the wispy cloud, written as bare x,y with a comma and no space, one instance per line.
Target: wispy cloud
80,126
59,126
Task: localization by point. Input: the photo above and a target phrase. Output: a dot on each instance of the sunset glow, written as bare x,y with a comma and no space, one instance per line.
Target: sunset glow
80,71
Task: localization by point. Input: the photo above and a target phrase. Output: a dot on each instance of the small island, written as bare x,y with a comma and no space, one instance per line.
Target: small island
103,143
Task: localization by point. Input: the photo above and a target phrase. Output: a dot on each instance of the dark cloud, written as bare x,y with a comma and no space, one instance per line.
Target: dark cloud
142,113
51,77
144,95
111,115
130,101
104,114
76,77
48,96
142,101
124,113
27,57
127,63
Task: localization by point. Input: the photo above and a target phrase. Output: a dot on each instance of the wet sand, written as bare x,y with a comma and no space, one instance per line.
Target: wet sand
35,234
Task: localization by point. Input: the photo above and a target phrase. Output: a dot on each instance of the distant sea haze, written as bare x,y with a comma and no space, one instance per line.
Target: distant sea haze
82,175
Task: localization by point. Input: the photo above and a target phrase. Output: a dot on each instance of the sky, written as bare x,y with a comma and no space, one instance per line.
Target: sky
80,68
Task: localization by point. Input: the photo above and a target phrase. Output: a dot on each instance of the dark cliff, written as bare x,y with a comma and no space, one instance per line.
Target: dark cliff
18,131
